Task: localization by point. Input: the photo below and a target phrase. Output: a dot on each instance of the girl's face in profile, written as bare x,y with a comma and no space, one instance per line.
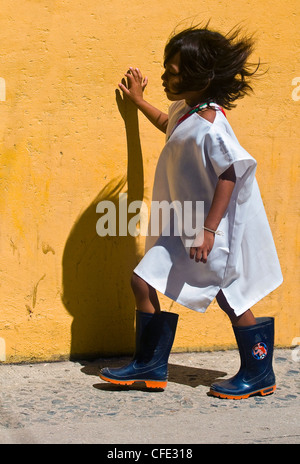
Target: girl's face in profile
171,81
171,78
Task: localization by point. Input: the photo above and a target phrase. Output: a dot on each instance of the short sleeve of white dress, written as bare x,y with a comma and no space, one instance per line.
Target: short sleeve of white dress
243,262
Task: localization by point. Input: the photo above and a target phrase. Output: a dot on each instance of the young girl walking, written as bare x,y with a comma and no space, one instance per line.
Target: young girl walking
235,261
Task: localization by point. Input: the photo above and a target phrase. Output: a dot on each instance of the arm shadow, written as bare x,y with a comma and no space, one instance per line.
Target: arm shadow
96,270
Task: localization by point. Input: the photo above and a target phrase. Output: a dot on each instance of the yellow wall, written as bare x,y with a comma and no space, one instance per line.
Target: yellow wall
63,148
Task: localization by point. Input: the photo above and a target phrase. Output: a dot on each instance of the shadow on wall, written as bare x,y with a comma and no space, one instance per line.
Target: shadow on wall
97,270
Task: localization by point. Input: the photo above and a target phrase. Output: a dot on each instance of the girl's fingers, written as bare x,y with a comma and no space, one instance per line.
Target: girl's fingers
204,257
199,254
145,82
129,75
139,73
123,88
136,74
192,252
135,83
133,72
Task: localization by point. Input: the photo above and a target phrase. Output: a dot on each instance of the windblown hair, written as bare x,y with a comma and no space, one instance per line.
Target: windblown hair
215,63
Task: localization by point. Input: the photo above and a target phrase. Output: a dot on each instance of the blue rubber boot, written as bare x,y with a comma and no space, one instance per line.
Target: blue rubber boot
155,334
256,375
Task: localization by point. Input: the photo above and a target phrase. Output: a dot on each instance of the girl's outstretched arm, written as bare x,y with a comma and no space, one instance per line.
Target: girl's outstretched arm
134,91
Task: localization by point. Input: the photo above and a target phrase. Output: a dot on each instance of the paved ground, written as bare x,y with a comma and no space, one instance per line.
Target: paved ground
67,403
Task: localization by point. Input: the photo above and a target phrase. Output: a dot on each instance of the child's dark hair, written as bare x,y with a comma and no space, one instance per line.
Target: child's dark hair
213,62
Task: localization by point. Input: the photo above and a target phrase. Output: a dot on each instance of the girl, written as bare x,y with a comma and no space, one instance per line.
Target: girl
235,259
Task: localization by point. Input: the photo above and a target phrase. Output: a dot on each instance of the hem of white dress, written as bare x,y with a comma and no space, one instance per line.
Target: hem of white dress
237,311
172,297
250,304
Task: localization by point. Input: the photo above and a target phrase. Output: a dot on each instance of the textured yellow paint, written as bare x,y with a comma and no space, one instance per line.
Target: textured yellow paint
63,148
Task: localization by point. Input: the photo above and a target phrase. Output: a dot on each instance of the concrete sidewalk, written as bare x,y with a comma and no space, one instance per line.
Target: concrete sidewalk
67,403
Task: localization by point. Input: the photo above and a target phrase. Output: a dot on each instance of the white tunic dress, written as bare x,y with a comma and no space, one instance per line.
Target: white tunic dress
243,261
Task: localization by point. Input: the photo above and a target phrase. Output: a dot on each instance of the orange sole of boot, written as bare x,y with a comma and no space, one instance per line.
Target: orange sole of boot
263,392
161,384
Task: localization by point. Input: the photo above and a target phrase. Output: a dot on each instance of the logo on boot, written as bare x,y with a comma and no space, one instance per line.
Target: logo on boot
260,350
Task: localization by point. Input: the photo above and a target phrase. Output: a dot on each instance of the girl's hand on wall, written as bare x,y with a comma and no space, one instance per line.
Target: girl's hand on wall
135,85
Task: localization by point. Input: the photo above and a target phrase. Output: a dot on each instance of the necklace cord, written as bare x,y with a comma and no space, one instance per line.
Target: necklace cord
193,110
